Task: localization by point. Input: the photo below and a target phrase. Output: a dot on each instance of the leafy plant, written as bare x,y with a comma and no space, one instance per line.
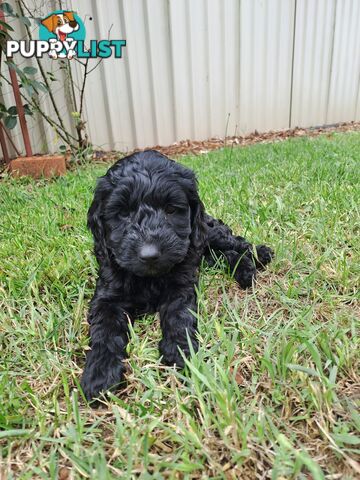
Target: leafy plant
10,115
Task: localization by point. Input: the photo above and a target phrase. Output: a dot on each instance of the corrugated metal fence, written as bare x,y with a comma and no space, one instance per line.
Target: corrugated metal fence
202,68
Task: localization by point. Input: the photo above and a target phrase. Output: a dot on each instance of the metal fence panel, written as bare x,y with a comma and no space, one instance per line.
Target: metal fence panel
197,69
345,65
313,46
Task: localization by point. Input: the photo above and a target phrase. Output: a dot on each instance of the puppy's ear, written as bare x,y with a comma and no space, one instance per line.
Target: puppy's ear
50,23
198,224
72,22
96,225
69,16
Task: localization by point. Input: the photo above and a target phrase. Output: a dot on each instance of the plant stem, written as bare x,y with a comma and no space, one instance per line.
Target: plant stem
43,74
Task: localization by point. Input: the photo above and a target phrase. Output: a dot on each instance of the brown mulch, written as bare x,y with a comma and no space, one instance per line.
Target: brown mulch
197,147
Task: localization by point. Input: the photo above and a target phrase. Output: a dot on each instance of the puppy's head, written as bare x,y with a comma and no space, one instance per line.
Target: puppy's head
146,214
61,24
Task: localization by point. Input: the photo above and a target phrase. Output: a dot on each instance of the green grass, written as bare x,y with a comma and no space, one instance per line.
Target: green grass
274,389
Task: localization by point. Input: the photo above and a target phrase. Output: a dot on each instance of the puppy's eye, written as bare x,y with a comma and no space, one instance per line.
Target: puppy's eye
124,212
59,22
170,209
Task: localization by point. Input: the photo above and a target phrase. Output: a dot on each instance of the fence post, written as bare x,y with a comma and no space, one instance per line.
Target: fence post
19,105
3,145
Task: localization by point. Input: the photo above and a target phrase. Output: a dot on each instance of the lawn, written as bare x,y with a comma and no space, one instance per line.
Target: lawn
274,390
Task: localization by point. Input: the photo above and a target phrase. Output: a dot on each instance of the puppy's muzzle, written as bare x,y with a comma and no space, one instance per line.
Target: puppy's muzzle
149,253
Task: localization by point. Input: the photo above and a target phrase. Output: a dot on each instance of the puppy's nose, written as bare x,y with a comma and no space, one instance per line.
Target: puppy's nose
73,23
149,253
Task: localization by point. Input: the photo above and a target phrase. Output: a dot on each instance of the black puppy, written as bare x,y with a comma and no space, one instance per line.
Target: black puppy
150,232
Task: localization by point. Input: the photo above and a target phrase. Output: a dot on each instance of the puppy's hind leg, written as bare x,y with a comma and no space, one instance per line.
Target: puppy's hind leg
242,267
262,256
239,253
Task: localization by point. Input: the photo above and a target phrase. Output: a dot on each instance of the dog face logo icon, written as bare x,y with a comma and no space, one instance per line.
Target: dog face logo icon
63,29
61,24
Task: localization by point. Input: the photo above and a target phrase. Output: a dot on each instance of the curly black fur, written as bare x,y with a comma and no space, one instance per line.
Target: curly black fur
150,232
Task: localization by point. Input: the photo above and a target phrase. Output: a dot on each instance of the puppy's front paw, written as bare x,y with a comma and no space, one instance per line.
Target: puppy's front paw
104,371
171,354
